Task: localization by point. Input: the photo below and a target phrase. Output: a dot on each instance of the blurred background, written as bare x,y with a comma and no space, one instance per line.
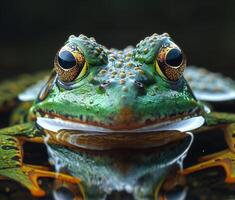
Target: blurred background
31,32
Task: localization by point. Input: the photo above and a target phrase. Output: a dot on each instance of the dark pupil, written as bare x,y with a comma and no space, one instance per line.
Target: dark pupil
174,57
66,60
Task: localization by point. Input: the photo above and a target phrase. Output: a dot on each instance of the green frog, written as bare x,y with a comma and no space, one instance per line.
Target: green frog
99,99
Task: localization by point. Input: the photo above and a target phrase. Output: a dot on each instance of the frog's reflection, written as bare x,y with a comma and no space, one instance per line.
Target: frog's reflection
149,174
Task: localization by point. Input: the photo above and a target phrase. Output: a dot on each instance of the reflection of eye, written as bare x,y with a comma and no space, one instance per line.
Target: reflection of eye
70,64
177,192
173,187
170,63
65,190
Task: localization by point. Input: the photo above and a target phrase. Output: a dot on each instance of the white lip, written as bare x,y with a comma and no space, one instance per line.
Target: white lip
57,124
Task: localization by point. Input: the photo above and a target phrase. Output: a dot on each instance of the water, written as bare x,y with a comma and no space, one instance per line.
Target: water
129,174
137,174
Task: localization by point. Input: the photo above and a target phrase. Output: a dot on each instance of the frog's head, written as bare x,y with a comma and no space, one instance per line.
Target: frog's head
94,88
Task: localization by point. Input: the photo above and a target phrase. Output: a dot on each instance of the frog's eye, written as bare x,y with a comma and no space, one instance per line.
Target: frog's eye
70,64
170,63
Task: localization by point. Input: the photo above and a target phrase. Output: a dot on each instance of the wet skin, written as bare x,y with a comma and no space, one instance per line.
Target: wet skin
98,99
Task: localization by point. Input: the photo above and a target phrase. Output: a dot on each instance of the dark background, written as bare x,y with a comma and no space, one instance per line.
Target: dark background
32,31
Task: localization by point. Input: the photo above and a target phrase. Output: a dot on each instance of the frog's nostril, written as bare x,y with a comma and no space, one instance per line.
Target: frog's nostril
105,84
139,84
140,87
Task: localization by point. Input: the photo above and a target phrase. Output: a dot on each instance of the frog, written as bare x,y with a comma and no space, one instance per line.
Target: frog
100,99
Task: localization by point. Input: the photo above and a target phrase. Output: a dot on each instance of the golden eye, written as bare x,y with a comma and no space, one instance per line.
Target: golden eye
70,64
170,63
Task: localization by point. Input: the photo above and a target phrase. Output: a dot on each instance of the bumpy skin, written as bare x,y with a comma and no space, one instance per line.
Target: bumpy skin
120,90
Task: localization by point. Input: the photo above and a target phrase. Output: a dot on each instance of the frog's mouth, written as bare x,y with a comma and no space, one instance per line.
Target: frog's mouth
100,138
56,124
126,122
